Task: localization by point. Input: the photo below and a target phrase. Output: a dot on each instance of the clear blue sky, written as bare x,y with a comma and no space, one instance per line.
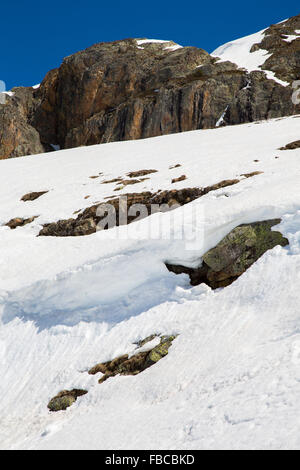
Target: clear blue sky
36,35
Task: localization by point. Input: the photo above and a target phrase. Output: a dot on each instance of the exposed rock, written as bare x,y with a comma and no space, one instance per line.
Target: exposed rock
292,146
253,173
180,178
87,221
125,365
146,340
285,55
234,254
120,91
129,182
261,99
114,180
17,136
65,399
33,196
153,97
174,166
19,222
137,174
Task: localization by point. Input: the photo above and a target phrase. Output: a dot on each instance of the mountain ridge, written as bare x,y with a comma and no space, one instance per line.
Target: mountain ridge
139,88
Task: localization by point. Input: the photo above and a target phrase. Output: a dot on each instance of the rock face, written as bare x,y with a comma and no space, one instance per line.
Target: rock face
282,41
17,136
234,254
123,91
133,89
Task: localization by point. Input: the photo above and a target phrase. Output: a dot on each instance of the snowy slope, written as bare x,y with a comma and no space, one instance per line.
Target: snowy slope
238,51
231,379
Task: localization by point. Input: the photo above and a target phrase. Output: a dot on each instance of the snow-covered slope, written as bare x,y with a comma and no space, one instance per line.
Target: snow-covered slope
239,52
231,378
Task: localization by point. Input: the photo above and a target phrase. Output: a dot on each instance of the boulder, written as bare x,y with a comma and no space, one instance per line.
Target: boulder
65,399
239,250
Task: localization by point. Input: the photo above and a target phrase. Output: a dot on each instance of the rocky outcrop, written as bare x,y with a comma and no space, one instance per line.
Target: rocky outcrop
137,363
122,91
242,247
87,221
65,399
144,358
261,99
139,173
17,136
292,146
282,42
33,196
20,222
133,89
180,178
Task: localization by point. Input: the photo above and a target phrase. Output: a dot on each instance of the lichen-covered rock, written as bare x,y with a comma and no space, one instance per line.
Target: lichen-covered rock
242,247
160,351
134,365
65,399
123,365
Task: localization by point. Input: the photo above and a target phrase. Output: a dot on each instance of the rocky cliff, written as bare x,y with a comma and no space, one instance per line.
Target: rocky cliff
134,89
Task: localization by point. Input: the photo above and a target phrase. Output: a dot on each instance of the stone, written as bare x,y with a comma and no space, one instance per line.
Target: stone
65,399
20,222
137,363
239,250
292,146
253,173
137,174
33,196
180,178
87,221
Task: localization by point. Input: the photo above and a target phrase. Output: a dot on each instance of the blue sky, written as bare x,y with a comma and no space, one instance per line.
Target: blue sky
36,35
